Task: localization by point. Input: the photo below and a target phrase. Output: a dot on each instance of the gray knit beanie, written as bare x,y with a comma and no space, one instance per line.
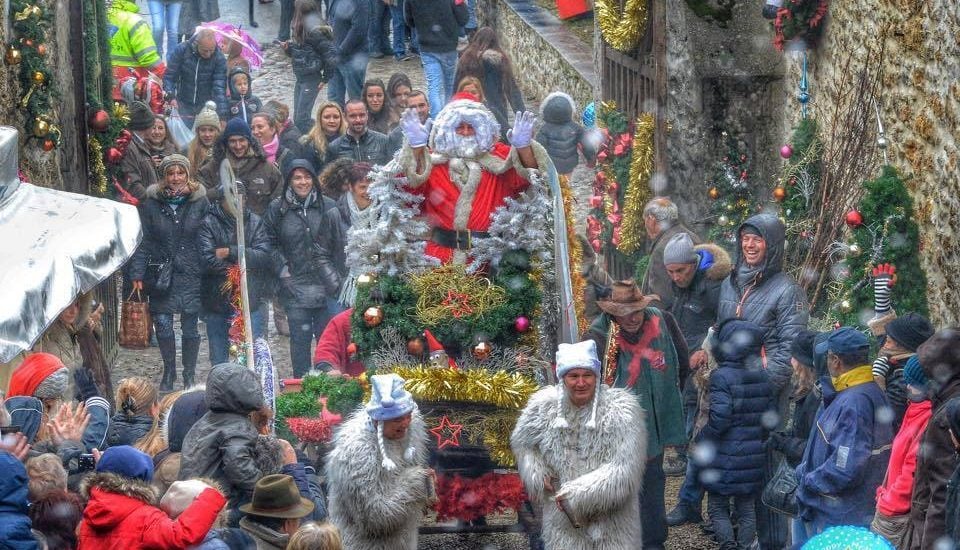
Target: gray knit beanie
174,159
53,386
679,250
207,117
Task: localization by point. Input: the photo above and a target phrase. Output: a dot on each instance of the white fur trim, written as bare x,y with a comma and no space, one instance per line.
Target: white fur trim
553,95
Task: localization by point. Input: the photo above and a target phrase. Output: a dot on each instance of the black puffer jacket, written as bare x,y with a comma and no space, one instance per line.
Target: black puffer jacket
127,430
319,49
294,227
170,234
695,307
372,147
193,80
219,230
772,299
561,136
220,445
243,106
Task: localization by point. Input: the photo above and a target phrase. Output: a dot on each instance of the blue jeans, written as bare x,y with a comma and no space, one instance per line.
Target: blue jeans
377,39
165,16
348,79
399,28
305,325
440,69
218,327
744,507
163,324
691,492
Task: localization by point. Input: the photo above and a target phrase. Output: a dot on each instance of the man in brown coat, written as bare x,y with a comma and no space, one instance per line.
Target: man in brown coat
137,165
936,460
661,221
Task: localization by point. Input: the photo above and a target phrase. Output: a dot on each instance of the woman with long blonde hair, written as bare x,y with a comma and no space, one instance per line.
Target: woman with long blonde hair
206,126
330,124
138,407
316,536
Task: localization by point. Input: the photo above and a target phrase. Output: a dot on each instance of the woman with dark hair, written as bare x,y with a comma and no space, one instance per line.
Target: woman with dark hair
335,178
353,209
483,58
330,125
308,279
382,117
313,59
398,88
55,515
159,142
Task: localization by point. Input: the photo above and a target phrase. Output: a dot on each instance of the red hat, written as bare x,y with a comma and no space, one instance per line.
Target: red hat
32,372
437,353
465,96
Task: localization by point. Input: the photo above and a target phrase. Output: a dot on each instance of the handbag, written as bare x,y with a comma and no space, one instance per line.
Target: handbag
134,322
158,277
780,493
304,60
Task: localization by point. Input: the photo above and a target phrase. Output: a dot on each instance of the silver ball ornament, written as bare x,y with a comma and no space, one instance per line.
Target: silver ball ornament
854,250
882,142
723,220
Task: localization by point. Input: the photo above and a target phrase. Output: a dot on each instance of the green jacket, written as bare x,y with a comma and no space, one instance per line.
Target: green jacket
652,369
131,40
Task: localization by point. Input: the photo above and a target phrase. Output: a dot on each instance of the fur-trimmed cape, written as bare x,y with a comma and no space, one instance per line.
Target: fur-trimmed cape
600,469
377,509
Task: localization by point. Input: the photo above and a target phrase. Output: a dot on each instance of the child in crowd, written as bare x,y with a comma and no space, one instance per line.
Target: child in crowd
243,103
562,136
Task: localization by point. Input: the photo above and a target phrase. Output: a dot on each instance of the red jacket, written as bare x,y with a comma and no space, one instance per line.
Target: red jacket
332,346
893,497
120,515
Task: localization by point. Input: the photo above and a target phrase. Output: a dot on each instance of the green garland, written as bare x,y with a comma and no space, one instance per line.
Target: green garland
98,74
343,396
31,23
800,180
398,302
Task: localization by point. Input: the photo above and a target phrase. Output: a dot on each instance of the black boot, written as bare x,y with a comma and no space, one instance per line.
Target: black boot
684,512
190,347
168,351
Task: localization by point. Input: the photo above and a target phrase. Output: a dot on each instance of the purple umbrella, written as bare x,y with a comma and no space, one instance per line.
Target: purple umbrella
250,49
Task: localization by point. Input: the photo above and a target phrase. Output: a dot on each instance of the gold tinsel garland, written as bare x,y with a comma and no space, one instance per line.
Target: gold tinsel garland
622,29
496,437
448,292
95,151
502,389
576,254
638,189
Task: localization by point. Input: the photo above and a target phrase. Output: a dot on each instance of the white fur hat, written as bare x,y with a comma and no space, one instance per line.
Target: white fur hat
582,355
180,496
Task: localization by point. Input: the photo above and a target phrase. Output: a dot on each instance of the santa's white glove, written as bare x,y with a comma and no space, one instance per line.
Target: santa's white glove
522,133
417,133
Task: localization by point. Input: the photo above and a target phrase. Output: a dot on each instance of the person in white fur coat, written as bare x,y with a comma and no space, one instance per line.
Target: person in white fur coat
377,474
581,449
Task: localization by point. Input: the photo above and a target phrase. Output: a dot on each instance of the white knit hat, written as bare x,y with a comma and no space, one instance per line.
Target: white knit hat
388,400
180,496
582,355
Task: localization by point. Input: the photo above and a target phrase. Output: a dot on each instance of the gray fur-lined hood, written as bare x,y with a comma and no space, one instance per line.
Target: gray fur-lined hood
199,192
558,108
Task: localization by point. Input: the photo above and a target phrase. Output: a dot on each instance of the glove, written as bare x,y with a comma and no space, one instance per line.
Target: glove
85,386
884,277
522,133
417,134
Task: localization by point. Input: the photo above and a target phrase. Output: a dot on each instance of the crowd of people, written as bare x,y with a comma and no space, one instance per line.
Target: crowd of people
705,368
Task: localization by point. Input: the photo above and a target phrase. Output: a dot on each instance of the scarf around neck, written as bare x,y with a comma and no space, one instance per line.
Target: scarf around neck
270,149
359,217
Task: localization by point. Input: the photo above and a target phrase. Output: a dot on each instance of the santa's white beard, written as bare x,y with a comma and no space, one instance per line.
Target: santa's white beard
464,147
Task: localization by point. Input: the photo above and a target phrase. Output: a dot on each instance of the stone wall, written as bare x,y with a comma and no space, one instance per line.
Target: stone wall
920,109
546,57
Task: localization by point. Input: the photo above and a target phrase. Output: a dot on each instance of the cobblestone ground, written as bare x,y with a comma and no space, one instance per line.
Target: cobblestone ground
275,80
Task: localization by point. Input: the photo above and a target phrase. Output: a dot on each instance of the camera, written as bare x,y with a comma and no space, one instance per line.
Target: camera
86,463
6,430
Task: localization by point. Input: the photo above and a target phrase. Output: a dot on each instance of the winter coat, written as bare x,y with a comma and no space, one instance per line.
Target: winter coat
290,140
262,178
773,300
332,347
500,92
264,537
372,147
193,80
319,45
349,20
137,167
127,430
437,23
793,443
171,235
561,135
373,507
952,509
739,396
195,12
600,470
695,307
846,456
220,445
893,497
226,538
655,280
219,230
121,513
243,106
27,412
896,388
936,461
15,531
131,41
307,278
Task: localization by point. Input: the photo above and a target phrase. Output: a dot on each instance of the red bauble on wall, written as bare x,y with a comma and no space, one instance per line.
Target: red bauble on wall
854,218
99,121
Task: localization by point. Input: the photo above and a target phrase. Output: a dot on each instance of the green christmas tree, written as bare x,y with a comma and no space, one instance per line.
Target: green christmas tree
731,192
888,234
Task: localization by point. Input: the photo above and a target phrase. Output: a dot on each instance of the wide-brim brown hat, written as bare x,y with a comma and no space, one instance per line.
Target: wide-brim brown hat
625,298
277,496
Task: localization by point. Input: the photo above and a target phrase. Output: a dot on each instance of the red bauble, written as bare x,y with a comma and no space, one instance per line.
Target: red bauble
352,348
99,121
114,155
854,218
49,144
522,324
743,175
596,201
415,347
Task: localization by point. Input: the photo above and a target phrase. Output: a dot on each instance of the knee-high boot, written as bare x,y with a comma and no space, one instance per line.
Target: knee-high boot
190,347
168,352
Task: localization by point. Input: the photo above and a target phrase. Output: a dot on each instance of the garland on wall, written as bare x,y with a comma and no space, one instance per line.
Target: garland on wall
622,29
799,19
28,50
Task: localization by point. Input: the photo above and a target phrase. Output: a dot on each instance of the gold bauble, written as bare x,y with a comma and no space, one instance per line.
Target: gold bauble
38,77
779,193
41,127
482,350
234,349
714,193
846,306
854,250
364,279
373,316
13,56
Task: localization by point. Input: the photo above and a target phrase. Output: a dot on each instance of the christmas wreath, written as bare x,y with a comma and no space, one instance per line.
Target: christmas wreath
799,19
622,29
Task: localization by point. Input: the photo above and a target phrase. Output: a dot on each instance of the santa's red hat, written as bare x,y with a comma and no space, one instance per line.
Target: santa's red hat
466,96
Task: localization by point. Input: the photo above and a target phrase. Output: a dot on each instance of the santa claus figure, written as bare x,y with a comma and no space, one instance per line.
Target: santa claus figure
464,172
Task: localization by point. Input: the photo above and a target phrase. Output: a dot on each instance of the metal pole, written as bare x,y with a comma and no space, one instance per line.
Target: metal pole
244,294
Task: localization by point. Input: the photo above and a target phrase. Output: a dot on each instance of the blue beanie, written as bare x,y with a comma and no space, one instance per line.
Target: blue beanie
126,461
913,373
236,127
